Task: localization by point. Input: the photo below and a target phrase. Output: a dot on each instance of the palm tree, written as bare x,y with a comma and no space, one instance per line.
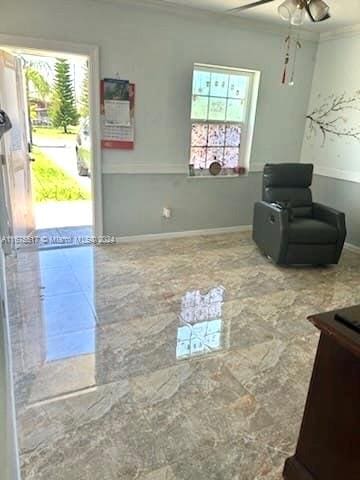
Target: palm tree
35,71
39,84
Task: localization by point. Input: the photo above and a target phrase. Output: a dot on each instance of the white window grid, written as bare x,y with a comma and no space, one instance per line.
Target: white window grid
242,124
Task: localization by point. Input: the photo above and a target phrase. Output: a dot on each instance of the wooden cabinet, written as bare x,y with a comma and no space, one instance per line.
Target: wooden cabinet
329,441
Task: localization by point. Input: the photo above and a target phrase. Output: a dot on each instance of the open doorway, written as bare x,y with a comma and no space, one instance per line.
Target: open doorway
53,201
58,105
54,285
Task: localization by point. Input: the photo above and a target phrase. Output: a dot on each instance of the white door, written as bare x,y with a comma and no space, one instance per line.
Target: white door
14,147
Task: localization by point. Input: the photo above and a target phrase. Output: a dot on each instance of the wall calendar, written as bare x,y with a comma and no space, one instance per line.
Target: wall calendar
117,114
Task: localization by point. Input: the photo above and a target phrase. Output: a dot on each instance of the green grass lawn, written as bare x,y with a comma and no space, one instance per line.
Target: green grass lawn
54,133
50,182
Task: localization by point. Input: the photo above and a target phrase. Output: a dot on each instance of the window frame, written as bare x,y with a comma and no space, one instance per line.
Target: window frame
246,125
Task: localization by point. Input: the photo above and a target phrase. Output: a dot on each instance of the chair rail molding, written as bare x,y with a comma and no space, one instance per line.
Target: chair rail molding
336,173
143,168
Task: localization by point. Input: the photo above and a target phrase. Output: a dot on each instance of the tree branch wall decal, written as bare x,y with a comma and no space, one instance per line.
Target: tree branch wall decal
330,119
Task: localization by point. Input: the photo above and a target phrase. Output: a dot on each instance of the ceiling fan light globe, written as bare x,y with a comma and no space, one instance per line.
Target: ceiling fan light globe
288,9
319,10
284,12
298,17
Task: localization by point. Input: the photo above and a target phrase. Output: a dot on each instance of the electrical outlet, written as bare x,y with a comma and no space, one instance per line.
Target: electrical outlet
166,212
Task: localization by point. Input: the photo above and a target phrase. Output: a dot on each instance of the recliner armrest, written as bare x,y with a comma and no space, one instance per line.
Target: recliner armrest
270,210
335,218
329,215
270,229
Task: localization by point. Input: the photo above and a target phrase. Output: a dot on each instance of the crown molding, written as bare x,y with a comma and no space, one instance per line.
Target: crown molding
345,32
172,8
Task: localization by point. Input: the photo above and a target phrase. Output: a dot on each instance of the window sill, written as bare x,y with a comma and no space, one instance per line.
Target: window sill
212,177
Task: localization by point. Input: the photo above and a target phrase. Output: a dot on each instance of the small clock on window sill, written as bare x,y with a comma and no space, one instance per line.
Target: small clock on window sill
215,168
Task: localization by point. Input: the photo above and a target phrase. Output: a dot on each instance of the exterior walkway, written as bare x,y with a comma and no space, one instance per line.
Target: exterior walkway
63,224
63,214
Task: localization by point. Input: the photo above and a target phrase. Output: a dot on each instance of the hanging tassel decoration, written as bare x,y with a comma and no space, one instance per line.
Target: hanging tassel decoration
287,58
292,77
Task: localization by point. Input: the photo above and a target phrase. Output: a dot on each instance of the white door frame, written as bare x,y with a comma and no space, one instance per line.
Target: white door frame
54,48
10,459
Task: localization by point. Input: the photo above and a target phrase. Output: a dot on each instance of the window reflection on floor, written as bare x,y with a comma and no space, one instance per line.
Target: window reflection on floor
202,327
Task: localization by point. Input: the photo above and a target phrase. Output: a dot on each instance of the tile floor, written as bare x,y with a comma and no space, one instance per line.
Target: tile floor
59,237
186,359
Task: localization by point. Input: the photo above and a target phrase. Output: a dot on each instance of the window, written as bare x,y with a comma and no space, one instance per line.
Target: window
222,99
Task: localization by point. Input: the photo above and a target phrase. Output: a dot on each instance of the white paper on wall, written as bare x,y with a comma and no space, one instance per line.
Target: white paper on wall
117,112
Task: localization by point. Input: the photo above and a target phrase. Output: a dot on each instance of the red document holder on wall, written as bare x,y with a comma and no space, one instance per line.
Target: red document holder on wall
117,136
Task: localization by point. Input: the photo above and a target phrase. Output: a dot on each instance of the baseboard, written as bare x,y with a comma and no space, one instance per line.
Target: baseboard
184,233
206,231
352,248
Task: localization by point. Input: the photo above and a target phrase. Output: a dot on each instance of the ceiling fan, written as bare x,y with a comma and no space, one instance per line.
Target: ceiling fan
293,11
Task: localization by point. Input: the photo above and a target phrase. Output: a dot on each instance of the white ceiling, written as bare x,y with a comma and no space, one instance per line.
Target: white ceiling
343,12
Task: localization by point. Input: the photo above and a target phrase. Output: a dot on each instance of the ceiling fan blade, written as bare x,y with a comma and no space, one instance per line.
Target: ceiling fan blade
253,4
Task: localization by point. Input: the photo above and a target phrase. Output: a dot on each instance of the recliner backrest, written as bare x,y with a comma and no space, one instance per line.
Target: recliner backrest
289,183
